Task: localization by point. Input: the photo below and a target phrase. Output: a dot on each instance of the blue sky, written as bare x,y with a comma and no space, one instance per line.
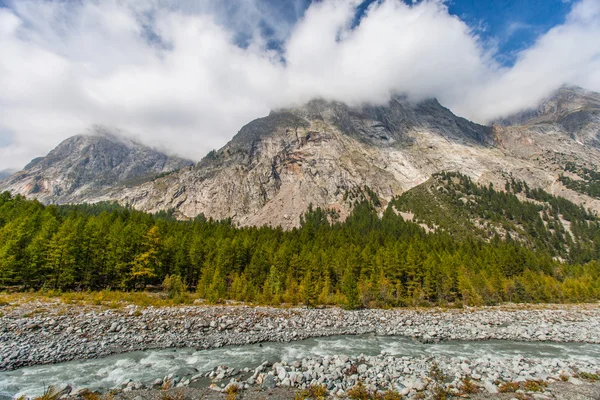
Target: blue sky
510,25
185,75
513,24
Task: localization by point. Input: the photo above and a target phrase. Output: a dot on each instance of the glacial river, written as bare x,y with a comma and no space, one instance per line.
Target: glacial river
146,366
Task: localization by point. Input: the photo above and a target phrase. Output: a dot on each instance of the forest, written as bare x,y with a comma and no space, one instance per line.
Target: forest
588,182
374,258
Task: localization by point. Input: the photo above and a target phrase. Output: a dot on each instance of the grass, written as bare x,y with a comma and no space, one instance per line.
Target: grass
116,299
360,392
508,387
232,391
112,299
467,386
589,376
534,386
177,395
316,392
50,393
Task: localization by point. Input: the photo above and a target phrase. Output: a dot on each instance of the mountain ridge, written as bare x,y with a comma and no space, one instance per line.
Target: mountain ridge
277,165
87,163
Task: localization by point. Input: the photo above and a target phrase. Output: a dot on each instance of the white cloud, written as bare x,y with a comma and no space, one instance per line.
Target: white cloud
171,72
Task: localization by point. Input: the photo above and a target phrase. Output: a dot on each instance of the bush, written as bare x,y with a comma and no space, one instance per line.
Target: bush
174,286
316,392
359,392
467,386
589,376
508,387
535,386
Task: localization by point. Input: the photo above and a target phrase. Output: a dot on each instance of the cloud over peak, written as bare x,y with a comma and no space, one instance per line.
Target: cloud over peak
186,76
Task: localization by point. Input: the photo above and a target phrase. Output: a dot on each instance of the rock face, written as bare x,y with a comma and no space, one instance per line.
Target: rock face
277,165
573,110
83,166
317,154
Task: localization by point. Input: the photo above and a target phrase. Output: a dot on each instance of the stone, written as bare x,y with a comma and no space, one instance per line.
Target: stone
490,387
268,382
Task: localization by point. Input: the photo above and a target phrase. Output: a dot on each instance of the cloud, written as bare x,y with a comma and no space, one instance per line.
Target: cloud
186,75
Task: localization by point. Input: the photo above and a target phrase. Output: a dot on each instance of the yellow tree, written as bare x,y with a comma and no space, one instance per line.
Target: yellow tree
145,264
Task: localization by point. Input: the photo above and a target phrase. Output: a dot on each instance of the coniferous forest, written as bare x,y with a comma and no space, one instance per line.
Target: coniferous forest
374,258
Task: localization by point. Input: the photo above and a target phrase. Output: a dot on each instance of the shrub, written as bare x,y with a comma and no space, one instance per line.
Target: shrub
467,386
174,286
508,387
49,394
589,376
359,392
436,373
317,392
535,386
392,395
231,391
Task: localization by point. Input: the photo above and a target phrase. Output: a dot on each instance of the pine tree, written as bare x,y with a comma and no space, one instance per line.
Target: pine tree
350,289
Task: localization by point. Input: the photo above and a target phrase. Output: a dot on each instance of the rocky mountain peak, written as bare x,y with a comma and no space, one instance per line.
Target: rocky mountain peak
89,162
381,125
571,109
323,153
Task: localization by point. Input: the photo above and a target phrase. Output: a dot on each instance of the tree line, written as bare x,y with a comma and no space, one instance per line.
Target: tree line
374,258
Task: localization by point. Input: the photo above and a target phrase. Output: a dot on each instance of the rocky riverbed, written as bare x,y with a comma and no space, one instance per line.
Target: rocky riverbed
32,334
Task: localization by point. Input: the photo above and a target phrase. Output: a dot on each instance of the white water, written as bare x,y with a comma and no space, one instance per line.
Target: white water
146,366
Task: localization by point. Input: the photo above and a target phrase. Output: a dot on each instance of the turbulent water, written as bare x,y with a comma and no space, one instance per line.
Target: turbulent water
146,366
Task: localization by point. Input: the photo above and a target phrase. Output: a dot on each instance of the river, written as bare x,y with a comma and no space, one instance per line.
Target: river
146,366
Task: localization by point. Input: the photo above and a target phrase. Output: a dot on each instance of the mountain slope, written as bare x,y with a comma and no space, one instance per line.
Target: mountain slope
575,110
562,136
277,165
84,165
451,202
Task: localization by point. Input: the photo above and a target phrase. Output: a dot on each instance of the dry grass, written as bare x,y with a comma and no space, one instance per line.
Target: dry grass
360,392
106,298
231,392
508,387
535,386
177,395
467,386
316,392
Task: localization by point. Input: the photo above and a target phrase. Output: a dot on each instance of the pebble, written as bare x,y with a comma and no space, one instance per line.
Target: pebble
40,339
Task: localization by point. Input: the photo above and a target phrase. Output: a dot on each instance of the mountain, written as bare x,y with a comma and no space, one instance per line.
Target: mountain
452,203
574,110
323,152
85,165
318,153
562,136
5,173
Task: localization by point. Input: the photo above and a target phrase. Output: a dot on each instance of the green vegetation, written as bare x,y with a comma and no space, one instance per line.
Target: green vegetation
316,392
588,184
360,392
547,224
373,259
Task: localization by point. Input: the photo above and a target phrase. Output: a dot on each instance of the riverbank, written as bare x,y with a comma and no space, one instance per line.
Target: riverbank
34,333
51,332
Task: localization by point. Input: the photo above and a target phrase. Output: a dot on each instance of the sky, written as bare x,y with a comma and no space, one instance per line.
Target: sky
185,75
